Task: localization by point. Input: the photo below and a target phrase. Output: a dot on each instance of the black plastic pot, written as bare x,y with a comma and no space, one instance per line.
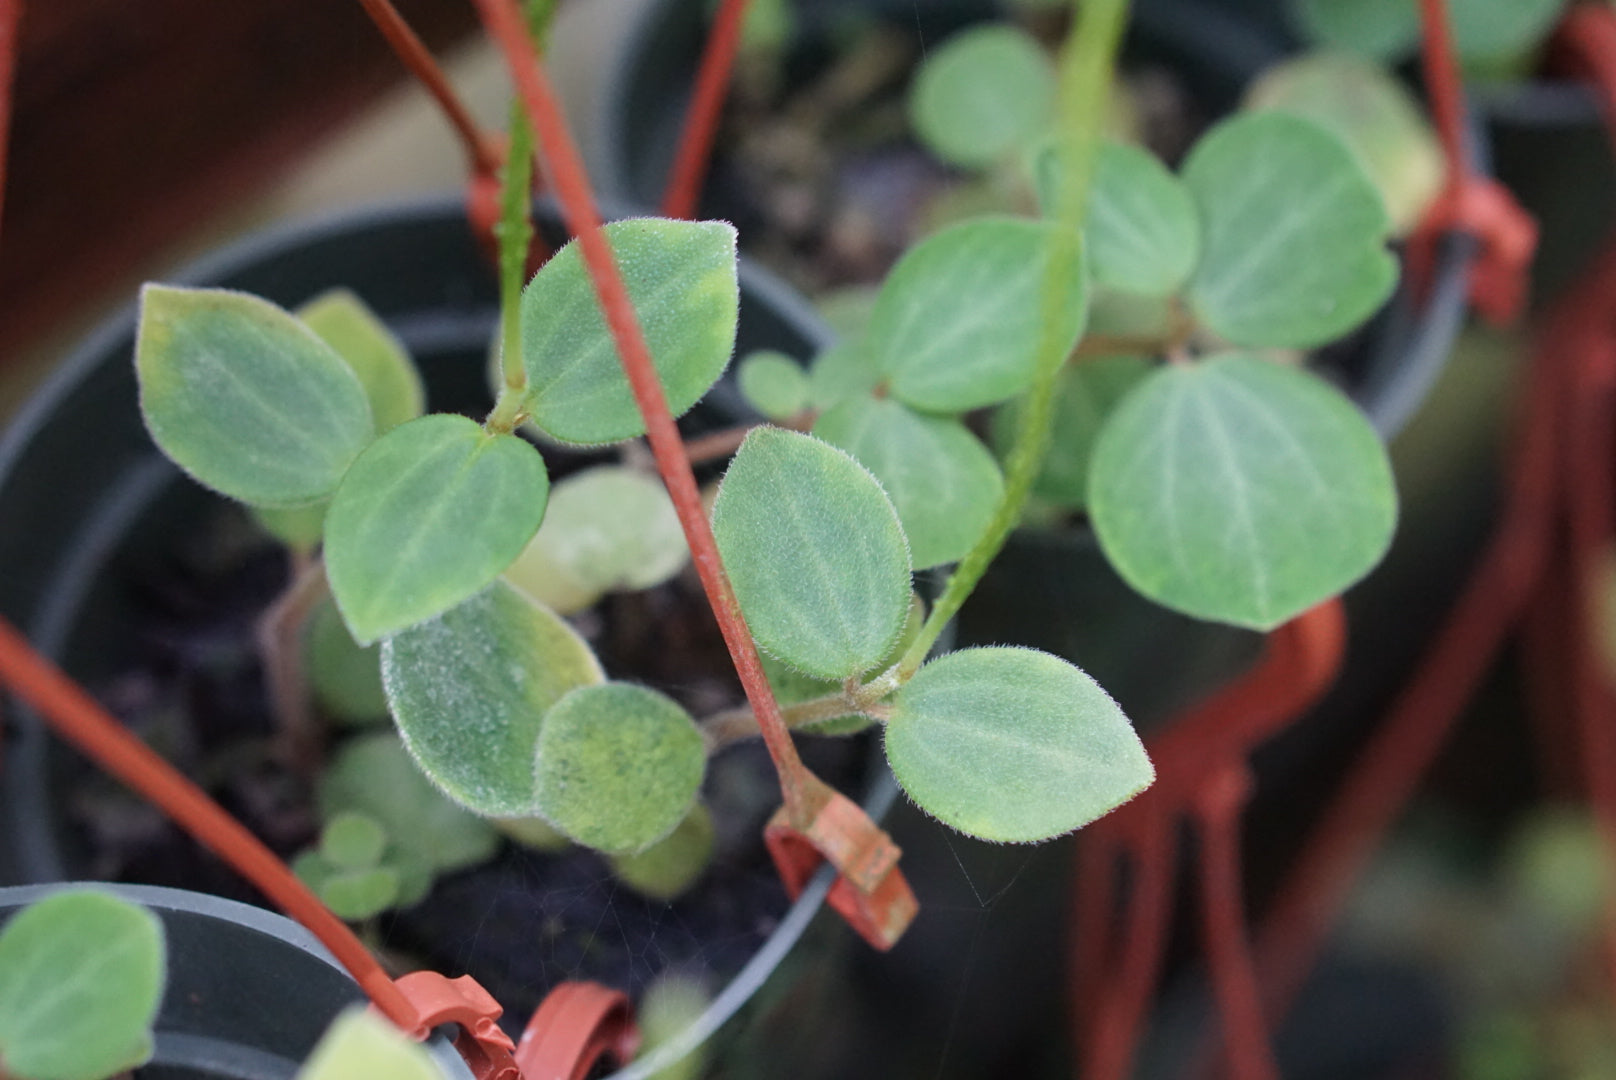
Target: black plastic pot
249,993
85,495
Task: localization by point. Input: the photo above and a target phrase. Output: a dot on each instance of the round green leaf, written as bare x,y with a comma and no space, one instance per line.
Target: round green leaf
374,775
298,527
1293,251
430,514
840,372
345,677
352,841
666,869
470,689
943,482
792,686
617,766
607,528
1012,745
1494,36
1085,394
1241,491
245,398
361,1045
392,385
356,895
1142,233
815,553
960,319
682,278
81,977
986,92
774,384
1383,30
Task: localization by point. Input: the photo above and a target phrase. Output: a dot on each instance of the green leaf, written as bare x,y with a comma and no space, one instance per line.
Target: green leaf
534,833
1143,235
392,385
1240,490
81,978
1369,109
840,372
298,527
1293,253
792,686
984,94
960,318
374,775
353,841
1012,745
357,895
943,482
814,551
430,514
773,383
667,1009
617,766
245,398
1494,36
361,1045
682,278
666,869
345,677
1383,30
1085,394
847,309
470,689
608,528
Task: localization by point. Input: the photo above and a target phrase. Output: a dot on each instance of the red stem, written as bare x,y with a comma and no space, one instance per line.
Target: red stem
77,717
706,105
1444,86
412,51
571,185
10,27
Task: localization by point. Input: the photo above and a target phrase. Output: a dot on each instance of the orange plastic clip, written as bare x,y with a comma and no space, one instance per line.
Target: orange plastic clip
577,1024
1485,209
440,1000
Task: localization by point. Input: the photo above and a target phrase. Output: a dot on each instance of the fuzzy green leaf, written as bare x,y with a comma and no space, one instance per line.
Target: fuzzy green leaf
942,481
792,686
617,766
773,383
357,895
982,95
815,553
1240,490
1012,745
345,677
245,398
470,689
682,278
81,978
1293,251
430,514
840,372
361,1045
392,385
607,528
668,868
353,841
374,775
960,319
1085,394
1143,235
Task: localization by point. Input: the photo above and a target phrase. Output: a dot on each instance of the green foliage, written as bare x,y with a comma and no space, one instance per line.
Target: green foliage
1142,234
392,385
362,1045
670,1005
959,321
245,398
470,690
1492,37
1012,745
840,372
344,676
814,551
773,383
352,841
618,766
1558,866
987,92
430,514
1085,395
1382,30
298,527
666,869
81,978
1240,490
1293,249
681,276
358,871
1371,111
607,528
942,481
792,687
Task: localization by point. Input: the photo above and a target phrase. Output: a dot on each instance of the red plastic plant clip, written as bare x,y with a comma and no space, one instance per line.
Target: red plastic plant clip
577,1024
870,892
463,1002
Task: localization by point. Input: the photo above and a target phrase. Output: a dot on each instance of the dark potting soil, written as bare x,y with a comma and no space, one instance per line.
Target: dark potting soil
520,923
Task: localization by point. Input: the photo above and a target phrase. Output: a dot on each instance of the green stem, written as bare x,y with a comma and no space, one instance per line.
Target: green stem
515,233
1086,73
